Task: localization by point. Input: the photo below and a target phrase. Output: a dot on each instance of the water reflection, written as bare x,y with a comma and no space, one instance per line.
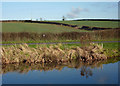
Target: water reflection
86,71
84,68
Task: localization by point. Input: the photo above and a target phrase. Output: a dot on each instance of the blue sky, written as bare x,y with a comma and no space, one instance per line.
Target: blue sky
55,10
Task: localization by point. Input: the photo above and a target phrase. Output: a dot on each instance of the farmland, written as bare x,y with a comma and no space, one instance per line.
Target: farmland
104,24
17,32
45,28
35,27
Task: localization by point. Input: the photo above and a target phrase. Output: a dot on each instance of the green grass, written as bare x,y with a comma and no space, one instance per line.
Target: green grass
42,41
108,39
105,24
64,46
47,41
110,45
36,27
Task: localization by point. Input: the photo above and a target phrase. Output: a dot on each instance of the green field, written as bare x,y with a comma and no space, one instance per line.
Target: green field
36,27
105,24
44,28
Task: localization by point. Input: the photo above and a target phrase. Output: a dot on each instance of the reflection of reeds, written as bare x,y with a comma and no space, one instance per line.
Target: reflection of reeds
23,68
25,36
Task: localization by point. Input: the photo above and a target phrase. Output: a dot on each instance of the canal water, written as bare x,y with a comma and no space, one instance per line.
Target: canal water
71,73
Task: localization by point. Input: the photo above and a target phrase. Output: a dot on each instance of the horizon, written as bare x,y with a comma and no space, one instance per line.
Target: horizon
56,20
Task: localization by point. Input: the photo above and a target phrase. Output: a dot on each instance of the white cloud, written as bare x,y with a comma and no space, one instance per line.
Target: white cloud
71,15
74,13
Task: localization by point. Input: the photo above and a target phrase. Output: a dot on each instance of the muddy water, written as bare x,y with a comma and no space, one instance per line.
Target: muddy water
103,72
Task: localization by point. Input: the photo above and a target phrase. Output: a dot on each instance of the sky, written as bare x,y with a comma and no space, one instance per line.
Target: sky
56,10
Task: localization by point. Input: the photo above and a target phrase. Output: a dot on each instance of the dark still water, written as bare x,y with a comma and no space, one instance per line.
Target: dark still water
68,73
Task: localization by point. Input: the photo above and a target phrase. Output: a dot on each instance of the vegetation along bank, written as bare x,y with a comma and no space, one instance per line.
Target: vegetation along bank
54,53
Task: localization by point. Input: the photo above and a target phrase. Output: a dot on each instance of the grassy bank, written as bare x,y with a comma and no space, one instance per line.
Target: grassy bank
112,46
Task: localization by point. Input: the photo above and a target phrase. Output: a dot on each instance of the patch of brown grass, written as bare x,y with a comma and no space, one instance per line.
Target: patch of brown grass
28,36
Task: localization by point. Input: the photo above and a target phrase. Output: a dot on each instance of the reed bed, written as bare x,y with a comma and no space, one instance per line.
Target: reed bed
25,54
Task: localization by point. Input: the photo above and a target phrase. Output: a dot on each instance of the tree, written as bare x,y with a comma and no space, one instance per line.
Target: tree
63,18
40,19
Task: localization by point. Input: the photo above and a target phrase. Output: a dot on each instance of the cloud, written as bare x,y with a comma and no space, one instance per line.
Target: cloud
74,13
